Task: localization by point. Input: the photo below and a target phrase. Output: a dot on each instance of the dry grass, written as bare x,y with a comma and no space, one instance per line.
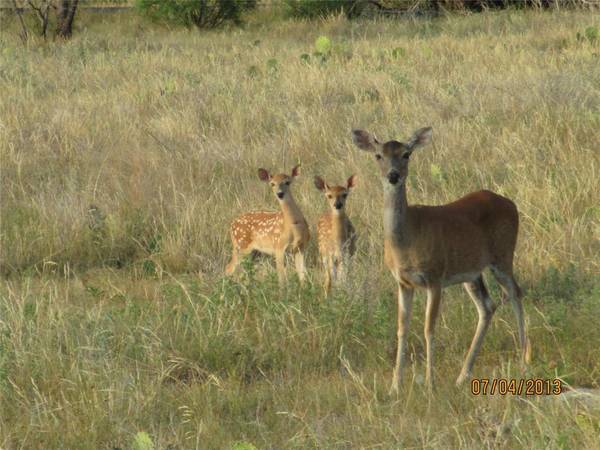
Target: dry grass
117,320
155,128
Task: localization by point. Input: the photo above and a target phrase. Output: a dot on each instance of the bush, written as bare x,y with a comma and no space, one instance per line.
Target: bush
199,13
311,9
355,8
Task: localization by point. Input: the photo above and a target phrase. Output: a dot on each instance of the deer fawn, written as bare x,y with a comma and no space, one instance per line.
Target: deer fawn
272,232
336,235
431,247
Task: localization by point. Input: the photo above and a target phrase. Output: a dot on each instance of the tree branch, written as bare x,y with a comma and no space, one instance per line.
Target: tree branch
43,15
23,35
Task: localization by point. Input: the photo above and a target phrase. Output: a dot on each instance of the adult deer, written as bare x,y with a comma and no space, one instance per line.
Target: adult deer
335,233
431,247
272,232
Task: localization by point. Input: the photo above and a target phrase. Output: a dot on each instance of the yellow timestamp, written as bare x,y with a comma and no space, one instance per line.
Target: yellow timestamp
516,386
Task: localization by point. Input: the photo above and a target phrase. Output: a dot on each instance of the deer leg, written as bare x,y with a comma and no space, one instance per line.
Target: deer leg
230,269
299,260
347,267
327,269
405,296
485,308
280,264
333,267
341,268
513,291
434,297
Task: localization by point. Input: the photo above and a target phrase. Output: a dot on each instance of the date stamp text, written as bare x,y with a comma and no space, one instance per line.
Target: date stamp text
516,386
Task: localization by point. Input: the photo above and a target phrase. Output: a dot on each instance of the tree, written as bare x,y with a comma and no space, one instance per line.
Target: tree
63,19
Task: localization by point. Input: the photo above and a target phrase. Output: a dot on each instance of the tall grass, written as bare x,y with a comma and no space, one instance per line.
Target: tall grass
159,128
88,364
127,151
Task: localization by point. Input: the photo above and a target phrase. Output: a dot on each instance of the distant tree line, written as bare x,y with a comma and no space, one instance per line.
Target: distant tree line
56,17
213,13
358,8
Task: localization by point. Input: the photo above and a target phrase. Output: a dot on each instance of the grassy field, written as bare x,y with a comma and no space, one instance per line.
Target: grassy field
116,319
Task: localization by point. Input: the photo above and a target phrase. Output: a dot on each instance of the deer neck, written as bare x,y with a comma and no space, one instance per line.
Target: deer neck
395,212
290,210
338,224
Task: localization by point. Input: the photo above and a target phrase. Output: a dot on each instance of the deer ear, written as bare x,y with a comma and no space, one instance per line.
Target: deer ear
420,138
320,183
364,140
351,182
296,170
263,174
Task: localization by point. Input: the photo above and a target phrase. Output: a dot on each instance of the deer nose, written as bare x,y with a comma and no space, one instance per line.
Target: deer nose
393,177
280,194
338,205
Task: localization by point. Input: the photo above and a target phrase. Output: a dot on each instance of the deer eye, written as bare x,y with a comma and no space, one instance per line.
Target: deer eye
344,195
328,195
378,156
406,156
287,183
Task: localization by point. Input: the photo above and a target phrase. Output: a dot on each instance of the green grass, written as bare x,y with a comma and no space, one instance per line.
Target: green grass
87,364
116,320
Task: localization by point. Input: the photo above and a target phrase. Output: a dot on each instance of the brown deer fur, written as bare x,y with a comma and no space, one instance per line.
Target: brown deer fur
431,247
335,233
272,233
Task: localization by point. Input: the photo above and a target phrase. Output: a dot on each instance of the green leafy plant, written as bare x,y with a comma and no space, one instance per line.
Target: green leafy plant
590,34
325,48
322,49
142,441
272,65
437,173
199,13
149,267
323,45
398,52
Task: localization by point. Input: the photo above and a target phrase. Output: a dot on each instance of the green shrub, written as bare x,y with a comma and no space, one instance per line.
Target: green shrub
310,9
592,34
143,441
199,13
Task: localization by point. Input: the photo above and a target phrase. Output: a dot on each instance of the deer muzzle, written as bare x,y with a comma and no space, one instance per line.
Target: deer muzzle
393,177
